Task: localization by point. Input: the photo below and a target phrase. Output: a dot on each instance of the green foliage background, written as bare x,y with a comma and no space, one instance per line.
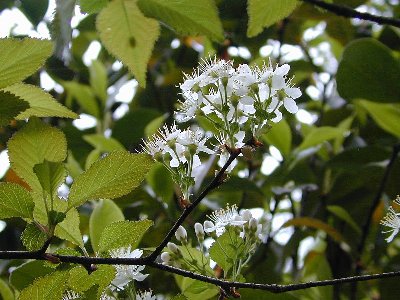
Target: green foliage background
336,164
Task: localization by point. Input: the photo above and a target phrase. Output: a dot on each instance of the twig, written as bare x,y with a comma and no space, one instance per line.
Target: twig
347,12
274,288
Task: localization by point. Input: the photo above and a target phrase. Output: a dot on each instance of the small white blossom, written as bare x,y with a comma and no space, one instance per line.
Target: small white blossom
392,220
198,228
145,295
127,273
223,218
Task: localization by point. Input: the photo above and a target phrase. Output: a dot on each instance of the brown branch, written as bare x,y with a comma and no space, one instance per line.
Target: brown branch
347,12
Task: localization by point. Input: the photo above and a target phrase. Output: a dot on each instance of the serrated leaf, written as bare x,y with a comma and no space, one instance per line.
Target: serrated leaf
5,291
264,13
49,287
33,238
98,80
51,175
378,80
102,143
92,6
41,103
319,135
19,58
197,290
15,201
128,35
84,95
316,224
280,136
10,107
104,213
387,116
23,275
80,281
195,17
225,249
33,144
113,176
123,234
69,228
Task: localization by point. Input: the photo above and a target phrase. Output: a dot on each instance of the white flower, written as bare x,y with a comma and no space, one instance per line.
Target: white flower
104,296
127,273
223,218
145,295
70,295
392,220
198,228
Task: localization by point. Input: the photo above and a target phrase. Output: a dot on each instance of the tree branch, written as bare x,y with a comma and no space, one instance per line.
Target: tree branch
348,12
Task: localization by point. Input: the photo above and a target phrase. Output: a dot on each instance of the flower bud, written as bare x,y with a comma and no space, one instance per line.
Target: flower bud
208,225
173,248
246,214
253,223
198,228
181,234
165,257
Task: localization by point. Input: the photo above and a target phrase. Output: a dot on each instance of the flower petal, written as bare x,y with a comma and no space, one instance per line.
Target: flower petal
290,105
293,92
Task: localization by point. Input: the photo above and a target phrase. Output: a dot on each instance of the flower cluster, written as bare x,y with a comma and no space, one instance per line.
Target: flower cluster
145,295
392,220
179,151
237,100
127,273
70,295
244,235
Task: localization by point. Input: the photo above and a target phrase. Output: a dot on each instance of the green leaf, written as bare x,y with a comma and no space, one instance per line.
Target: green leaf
33,144
98,80
5,291
128,35
152,127
250,294
195,17
319,135
10,107
102,143
316,224
33,238
341,213
92,6
159,174
51,175
179,297
19,58
368,70
387,116
41,104
84,95
123,234
34,10
104,213
69,228
80,281
280,136
15,201
111,177
225,249
26,273
49,287
264,13
196,290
